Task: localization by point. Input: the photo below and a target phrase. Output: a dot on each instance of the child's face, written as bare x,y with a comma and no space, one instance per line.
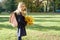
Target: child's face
23,7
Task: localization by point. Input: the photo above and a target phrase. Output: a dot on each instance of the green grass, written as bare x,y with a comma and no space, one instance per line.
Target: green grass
46,27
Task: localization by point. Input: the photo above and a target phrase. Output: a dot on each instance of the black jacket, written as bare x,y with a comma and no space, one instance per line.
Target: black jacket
21,23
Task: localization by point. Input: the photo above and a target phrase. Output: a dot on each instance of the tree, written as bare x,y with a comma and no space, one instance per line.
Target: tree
10,5
0,7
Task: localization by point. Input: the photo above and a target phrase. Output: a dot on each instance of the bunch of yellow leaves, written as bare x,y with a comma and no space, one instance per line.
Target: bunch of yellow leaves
29,20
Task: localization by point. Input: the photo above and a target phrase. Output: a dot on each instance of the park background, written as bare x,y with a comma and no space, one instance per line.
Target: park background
46,15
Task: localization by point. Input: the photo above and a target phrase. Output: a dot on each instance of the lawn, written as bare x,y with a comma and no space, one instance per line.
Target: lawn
45,27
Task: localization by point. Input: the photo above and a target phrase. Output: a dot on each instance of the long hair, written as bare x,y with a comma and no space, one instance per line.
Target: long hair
19,8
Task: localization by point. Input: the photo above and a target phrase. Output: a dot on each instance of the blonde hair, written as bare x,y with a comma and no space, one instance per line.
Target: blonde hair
19,9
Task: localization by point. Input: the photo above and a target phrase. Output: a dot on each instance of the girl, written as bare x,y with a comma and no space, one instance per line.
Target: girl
19,14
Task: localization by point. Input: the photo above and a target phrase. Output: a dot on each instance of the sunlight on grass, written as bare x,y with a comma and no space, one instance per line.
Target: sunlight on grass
48,23
45,27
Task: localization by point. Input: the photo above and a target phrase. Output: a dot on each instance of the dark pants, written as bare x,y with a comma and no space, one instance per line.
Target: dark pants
19,38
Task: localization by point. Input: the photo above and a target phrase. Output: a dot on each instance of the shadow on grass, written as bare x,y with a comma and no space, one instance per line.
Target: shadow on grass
4,19
33,27
6,26
43,28
46,17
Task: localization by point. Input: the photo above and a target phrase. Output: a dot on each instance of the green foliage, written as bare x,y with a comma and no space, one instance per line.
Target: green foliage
1,9
57,2
10,5
32,6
